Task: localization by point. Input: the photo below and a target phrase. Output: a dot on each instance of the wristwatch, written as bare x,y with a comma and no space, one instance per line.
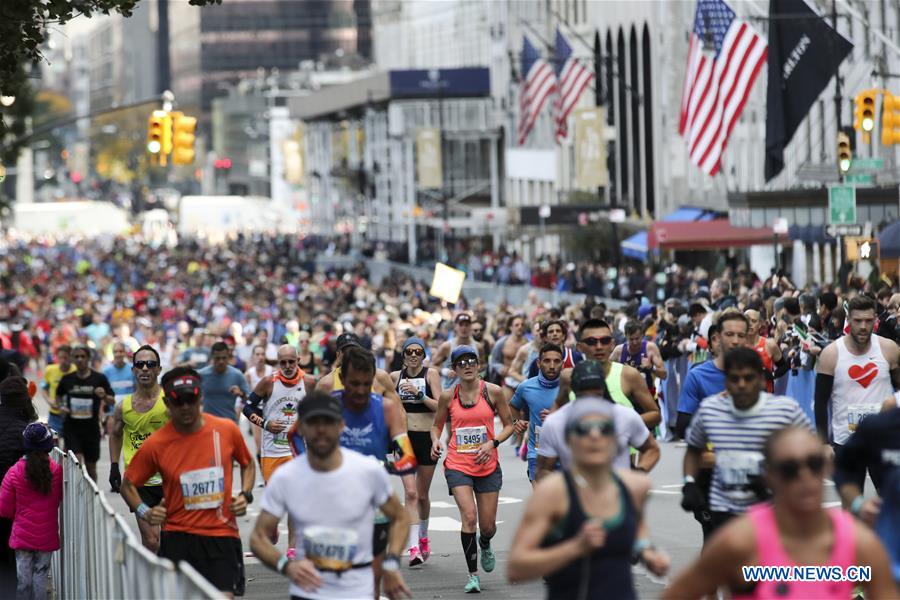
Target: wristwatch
391,562
248,496
496,443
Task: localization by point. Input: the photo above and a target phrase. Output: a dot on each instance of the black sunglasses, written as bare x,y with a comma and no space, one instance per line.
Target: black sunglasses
593,341
150,364
584,428
467,362
789,470
414,352
183,399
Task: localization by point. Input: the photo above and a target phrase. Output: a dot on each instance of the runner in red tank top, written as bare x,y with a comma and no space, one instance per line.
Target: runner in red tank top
767,348
472,467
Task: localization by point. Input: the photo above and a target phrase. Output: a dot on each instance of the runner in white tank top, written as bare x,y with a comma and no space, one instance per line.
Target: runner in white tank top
282,407
861,385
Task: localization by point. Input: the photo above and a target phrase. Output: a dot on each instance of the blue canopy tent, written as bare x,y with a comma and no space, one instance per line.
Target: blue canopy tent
635,247
889,241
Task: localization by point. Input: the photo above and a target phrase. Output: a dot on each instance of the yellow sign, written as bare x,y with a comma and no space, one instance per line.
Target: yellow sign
428,158
447,283
590,149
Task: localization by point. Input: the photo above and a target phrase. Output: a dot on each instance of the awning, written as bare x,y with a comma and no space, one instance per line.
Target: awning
706,235
889,241
635,247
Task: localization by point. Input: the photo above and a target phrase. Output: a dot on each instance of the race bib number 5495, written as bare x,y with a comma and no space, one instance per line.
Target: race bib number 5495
468,439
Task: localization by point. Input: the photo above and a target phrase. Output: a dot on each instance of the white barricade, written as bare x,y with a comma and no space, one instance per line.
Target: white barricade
101,557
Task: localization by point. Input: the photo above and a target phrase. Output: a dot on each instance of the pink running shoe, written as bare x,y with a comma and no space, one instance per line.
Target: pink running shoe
291,554
424,548
415,559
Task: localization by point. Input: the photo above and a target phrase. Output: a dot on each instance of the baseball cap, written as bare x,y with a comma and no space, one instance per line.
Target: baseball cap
185,387
461,351
463,318
644,311
320,404
588,375
347,339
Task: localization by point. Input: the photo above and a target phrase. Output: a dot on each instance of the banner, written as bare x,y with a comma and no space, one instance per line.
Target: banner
447,283
804,54
428,158
590,149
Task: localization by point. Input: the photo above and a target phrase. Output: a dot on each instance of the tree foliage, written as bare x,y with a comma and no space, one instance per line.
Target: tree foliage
24,23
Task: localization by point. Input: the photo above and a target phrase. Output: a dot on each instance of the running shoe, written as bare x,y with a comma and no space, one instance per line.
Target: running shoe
474,585
488,561
415,558
424,548
291,554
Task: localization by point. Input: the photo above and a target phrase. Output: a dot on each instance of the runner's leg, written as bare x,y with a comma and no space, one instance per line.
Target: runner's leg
468,514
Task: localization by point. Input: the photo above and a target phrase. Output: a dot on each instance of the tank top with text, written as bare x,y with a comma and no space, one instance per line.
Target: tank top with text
282,406
140,426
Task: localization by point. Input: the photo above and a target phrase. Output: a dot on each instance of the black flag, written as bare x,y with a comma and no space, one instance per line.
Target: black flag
804,54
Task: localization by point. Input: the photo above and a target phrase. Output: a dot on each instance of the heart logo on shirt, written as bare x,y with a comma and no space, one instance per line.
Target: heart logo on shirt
863,375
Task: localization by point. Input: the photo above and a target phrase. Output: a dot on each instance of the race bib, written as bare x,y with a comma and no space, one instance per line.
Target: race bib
857,412
419,384
468,439
736,468
330,548
537,437
203,489
82,408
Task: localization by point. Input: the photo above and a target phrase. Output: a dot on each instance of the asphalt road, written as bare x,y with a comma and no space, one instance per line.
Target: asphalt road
444,575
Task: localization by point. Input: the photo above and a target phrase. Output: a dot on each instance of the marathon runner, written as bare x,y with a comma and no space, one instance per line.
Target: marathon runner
793,530
472,467
52,376
737,424
556,331
526,357
856,375
135,418
194,453
222,385
272,408
442,357
120,378
583,526
589,381
330,495
625,384
536,395
505,351
259,368
641,355
309,363
418,387
83,395
381,385
768,349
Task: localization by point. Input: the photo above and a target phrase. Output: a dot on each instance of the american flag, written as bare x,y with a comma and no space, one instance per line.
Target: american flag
573,78
724,59
538,84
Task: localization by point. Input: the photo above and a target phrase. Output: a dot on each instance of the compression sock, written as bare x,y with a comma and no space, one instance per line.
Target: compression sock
423,528
471,554
484,542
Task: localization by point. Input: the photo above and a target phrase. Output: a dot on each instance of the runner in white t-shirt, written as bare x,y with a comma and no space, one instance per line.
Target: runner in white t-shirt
330,494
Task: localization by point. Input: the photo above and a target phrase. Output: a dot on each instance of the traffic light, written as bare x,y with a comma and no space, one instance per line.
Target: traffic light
844,152
890,119
865,111
159,135
184,129
222,164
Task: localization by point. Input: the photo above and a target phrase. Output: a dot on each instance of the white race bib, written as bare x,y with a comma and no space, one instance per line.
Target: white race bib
82,408
468,439
537,437
736,468
203,489
857,412
330,548
419,384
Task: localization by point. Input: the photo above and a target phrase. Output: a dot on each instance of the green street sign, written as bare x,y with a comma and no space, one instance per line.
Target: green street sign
859,179
867,164
841,205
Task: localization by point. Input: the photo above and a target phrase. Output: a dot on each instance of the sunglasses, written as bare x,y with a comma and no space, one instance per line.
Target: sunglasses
183,399
287,363
789,470
593,341
414,352
467,362
585,428
150,364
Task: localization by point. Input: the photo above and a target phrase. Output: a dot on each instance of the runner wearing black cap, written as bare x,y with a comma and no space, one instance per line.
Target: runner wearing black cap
330,494
472,467
194,453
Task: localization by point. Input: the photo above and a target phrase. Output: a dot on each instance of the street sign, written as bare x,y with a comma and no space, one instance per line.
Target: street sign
844,230
867,164
841,205
859,179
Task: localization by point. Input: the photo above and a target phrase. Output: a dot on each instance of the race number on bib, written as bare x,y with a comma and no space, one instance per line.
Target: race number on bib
857,412
203,488
330,548
736,468
468,439
82,408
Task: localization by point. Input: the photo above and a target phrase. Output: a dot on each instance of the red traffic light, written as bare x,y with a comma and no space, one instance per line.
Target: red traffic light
222,163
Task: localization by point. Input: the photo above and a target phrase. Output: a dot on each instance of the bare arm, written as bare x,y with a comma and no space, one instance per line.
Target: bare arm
640,396
656,361
517,368
115,439
440,355
434,382
440,417
870,551
565,386
325,384
649,454
394,416
774,350
616,354
545,466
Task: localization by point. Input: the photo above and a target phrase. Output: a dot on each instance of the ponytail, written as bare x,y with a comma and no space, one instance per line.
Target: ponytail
37,471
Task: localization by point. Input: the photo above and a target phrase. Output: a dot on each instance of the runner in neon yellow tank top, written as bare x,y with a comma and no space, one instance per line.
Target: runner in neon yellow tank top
135,419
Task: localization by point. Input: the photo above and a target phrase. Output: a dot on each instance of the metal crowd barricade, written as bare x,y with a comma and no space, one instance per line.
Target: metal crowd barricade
101,557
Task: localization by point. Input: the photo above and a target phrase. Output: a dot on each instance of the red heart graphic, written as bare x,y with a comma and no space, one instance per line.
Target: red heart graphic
863,375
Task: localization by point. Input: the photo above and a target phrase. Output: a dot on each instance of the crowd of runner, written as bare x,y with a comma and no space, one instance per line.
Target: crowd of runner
346,384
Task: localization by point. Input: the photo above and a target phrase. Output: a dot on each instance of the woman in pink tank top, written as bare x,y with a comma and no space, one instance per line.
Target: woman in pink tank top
793,531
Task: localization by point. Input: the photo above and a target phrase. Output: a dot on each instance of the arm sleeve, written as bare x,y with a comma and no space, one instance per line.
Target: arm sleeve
253,406
824,386
682,423
781,367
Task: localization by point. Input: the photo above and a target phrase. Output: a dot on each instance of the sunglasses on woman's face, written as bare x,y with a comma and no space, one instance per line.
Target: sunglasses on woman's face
593,341
585,428
150,364
414,352
789,470
466,362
